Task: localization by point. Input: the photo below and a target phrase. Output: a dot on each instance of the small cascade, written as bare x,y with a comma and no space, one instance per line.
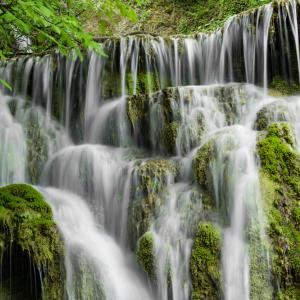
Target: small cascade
96,266
12,147
173,230
101,175
234,192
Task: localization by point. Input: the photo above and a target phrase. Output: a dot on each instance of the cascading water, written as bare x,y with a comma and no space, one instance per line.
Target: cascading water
88,132
95,264
13,147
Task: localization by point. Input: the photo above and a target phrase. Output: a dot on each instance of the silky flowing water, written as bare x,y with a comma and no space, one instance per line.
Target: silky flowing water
65,129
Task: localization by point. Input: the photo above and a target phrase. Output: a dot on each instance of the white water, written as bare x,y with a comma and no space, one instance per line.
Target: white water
12,147
110,272
236,183
173,242
101,175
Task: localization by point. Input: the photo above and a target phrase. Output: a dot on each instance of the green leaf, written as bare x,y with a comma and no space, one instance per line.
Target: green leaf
5,84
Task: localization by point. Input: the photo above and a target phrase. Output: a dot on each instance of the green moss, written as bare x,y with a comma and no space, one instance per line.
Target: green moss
262,119
280,179
205,263
136,108
290,293
153,175
169,135
281,87
111,85
145,253
201,164
26,221
164,109
145,83
278,157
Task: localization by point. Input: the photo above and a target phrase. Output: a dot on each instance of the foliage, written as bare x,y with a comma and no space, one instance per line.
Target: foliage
5,84
40,25
186,17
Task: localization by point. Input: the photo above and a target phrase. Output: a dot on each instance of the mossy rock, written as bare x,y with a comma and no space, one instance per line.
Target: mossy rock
145,253
154,173
269,113
136,109
201,165
282,87
205,263
150,181
280,178
142,111
28,227
278,156
169,136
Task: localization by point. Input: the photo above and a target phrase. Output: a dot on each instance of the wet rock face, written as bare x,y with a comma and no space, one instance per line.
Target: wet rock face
31,248
269,114
174,120
149,184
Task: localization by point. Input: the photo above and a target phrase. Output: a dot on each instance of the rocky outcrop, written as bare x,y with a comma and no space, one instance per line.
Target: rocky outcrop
30,246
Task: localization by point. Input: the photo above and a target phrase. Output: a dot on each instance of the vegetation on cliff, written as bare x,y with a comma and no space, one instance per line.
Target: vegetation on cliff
182,17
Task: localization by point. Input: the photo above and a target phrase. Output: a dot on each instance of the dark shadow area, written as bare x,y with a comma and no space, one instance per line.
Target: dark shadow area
19,276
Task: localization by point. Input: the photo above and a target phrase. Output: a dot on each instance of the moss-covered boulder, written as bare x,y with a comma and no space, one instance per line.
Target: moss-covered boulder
205,263
274,112
29,239
150,182
280,184
279,158
145,253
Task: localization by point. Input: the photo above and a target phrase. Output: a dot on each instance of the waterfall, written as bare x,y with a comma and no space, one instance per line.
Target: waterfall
13,147
92,255
111,143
